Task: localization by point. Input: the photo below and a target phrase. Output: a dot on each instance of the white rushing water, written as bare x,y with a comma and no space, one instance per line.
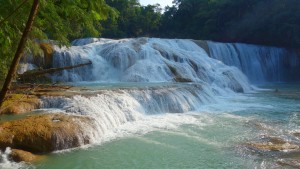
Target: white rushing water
161,62
146,60
261,64
153,61
111,108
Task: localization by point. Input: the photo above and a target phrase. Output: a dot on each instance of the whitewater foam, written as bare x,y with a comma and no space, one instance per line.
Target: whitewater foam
146,60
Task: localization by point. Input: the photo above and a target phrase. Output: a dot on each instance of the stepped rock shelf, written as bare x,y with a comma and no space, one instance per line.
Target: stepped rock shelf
26,97
38,133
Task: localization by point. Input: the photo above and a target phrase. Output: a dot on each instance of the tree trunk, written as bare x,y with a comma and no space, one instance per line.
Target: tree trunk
14,65
31,74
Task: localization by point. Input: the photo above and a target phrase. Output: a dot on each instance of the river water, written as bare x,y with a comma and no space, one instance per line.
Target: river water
214,136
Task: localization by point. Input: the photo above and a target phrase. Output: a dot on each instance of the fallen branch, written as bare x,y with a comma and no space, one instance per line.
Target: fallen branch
30,74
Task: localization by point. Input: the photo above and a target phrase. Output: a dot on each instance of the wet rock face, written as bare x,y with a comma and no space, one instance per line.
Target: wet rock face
45,133
20,155
203,44
27,97
48,53
20,103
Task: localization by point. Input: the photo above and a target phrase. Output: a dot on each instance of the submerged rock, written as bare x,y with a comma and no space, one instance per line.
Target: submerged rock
289,162
45,133
269,146
273,144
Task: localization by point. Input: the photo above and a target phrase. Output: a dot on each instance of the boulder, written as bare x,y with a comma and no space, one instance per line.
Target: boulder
20,155
45,133
289,163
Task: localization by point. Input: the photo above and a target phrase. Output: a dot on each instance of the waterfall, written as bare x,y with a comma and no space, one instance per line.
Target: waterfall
261,64
147,74
146,60
112,108
151,77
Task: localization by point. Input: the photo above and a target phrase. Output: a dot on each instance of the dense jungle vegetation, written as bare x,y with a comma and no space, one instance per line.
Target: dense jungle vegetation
266,22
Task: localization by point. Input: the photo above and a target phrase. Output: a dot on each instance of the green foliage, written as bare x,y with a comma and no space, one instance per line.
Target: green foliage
5,42
56,20
134,20
268,22
273,22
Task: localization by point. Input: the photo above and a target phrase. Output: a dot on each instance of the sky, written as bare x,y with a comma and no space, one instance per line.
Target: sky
162,3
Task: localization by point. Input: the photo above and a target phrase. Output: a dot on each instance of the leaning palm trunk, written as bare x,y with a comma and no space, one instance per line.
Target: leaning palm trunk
14,65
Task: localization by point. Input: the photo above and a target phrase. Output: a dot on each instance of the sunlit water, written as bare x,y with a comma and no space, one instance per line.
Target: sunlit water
211,137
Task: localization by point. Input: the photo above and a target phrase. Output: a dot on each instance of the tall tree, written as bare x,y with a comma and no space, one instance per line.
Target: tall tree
62,21
14,65
134,20
267,22
57,20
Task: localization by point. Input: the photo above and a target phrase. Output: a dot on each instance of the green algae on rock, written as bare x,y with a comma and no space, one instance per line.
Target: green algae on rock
20,103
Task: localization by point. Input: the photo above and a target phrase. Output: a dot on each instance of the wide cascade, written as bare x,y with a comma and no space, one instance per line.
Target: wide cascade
261,64
130,79
146,60
155,65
